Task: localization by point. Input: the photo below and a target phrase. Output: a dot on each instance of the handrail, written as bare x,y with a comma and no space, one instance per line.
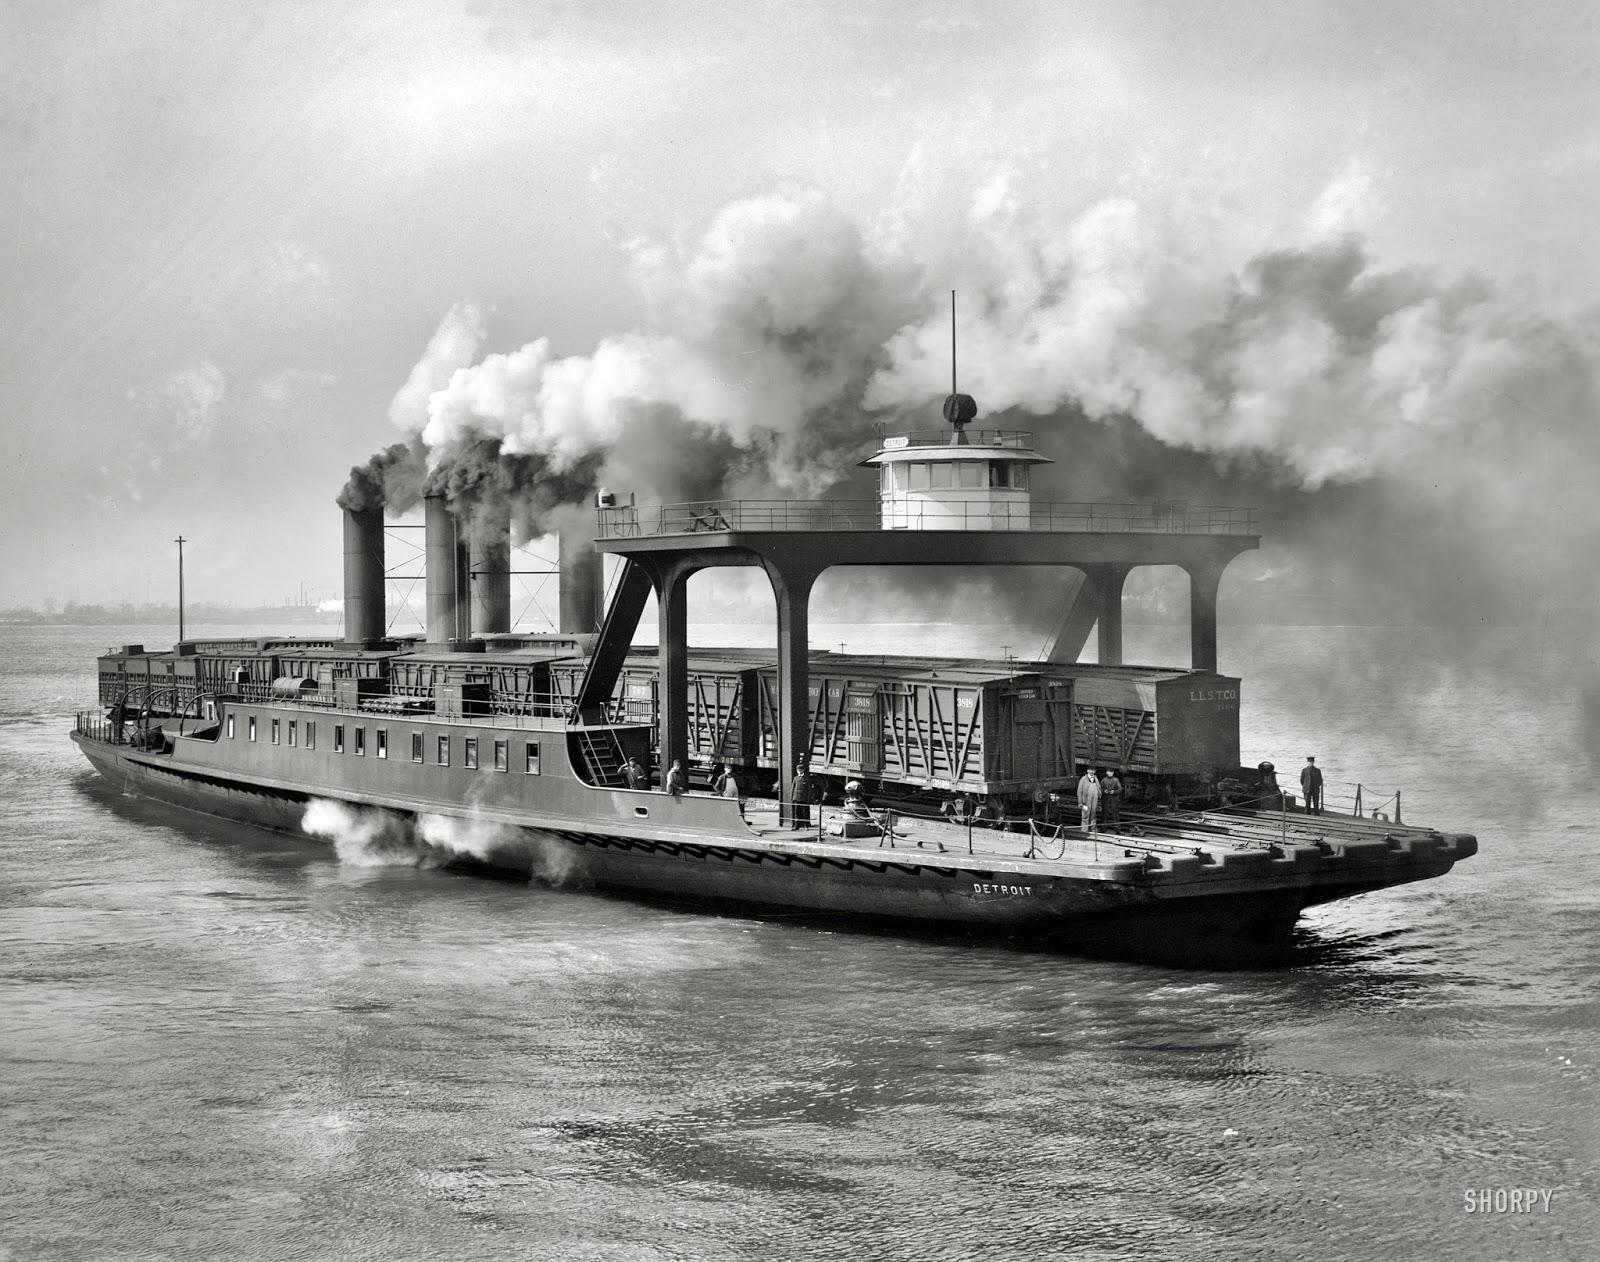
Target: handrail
721,516
976,438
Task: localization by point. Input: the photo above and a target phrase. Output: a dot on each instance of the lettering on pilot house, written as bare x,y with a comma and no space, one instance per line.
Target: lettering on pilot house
991,887
1213,694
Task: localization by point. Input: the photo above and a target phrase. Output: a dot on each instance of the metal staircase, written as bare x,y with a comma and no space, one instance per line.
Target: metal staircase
602,756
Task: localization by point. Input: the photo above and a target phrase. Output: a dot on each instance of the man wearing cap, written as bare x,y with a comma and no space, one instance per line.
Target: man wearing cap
1089,800
1111,799
1311,786
803,793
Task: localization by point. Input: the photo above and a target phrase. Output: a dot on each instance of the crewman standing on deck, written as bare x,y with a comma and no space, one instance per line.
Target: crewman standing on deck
1311,786
803,792
1089,800
1111,799
675,783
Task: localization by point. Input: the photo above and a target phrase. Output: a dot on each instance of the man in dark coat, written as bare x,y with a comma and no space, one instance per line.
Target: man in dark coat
803,793
1111,799
1311,786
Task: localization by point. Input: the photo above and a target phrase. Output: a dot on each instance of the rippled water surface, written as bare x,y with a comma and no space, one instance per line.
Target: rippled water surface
221,1043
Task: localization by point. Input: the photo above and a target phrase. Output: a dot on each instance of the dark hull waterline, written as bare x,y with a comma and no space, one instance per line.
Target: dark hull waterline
907,890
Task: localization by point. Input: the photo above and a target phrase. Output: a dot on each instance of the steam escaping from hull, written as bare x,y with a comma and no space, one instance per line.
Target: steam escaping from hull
367,837
370,837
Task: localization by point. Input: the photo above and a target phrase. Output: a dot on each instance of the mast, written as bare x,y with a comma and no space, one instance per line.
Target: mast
180,541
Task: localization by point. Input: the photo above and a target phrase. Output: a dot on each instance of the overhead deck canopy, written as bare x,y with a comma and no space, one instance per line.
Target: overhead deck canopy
795,542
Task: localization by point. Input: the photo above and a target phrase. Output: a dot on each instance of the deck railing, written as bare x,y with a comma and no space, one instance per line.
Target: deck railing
718,516
1013,438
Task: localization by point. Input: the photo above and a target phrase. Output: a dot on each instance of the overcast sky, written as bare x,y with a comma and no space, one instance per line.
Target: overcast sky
235,227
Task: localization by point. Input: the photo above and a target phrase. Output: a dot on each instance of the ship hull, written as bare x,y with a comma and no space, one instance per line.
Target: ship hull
904,889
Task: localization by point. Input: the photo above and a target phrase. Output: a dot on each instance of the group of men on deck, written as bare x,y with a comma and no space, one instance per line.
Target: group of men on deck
1100,799
1099,792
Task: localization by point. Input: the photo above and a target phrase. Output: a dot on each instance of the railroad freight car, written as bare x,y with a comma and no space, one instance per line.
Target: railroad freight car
953,729
516,682
1155,722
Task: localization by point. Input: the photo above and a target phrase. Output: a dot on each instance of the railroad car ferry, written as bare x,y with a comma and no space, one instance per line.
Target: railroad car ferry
913,791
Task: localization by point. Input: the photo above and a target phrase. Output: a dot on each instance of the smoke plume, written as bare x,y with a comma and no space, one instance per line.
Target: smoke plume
1427,438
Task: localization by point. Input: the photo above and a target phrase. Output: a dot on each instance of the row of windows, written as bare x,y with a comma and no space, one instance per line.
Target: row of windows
923,475
290,732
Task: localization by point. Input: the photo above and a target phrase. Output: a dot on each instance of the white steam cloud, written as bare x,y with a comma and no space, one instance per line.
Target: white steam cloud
370,837
457,342
776,318
781,337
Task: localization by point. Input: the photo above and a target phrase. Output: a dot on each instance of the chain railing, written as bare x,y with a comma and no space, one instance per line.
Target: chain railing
724,516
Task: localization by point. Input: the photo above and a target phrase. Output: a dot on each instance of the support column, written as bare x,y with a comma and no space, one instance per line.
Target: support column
616,637
791,587
1203,583
1108,581
672,613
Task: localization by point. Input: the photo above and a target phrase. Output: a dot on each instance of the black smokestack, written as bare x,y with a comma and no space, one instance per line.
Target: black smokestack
363,574
581,584
443,545
491,574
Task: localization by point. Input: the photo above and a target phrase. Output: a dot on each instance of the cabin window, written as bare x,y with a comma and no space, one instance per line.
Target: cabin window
1019,477
999,475
469,752
338,738
252,724
416,747
361,742
971,473
382,747
942,476
891,477
502,755
532,767
311,735
274,731
294,726
230,727
444,751
918,470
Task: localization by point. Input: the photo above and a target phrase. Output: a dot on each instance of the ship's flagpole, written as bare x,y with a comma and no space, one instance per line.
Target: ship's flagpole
952,341
180,541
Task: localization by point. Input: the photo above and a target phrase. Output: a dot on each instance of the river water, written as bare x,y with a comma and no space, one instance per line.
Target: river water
220,1043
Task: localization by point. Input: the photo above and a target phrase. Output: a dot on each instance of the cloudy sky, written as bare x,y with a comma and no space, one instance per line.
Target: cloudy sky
1339,256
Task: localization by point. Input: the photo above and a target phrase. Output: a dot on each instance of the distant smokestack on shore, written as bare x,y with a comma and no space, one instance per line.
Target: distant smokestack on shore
443,548
491,574
582,584
363,574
